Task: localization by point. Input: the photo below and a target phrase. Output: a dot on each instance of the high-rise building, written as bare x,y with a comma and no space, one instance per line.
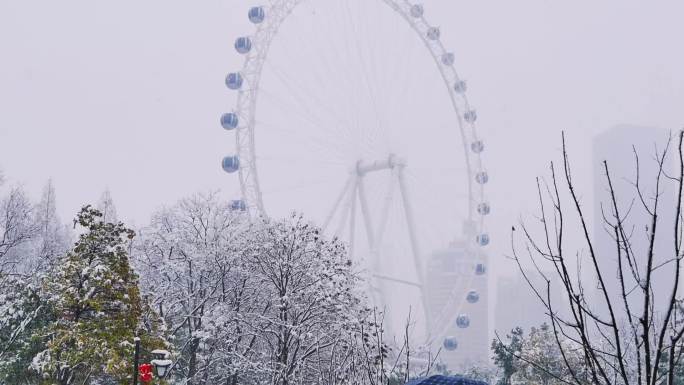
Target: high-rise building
518,306
619,147
456,286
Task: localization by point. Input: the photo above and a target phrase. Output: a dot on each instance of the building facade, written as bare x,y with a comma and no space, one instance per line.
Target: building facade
456,284
618,147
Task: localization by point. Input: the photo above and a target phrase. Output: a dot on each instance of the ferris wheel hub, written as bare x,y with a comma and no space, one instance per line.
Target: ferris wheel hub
391,162
396,199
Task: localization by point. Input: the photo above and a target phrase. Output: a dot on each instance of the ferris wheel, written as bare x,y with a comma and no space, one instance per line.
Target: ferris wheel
342,114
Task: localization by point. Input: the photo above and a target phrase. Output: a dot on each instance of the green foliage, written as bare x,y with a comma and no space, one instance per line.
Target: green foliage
537,359
95,298
22,315
505,354
481,372
678,375
541,348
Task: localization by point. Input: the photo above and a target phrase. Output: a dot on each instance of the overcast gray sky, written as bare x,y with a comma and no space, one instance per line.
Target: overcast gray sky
126,95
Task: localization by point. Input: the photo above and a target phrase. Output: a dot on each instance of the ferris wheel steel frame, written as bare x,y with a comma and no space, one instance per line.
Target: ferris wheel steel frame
353,189
277,12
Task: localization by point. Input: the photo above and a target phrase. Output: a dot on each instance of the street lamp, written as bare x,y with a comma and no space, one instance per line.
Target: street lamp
161,362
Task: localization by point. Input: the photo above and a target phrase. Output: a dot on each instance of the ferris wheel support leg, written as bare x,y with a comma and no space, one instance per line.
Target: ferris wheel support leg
375,252
366,213
352,219
337,203
384,214
351,188
408,212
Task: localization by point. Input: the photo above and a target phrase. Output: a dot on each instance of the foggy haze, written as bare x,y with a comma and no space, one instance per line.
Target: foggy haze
127,95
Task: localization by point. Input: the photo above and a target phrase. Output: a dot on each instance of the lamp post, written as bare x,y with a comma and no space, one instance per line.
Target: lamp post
136,359
160,362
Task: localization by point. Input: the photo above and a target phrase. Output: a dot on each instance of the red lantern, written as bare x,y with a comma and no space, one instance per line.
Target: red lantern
145,372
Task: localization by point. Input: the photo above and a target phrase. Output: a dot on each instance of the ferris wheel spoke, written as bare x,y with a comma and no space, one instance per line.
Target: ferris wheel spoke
347,210
417,183
322,107
365,212
297,186
320,151
385,212
337,202
300,100
337,164
348,89
398,280
296,105
325,142
364,67
307,40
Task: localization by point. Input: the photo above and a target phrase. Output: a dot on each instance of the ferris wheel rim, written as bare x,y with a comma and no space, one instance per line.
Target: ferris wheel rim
248,90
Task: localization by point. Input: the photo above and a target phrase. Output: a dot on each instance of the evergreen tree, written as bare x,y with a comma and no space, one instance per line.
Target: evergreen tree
94,295
23,314
541,348
506,355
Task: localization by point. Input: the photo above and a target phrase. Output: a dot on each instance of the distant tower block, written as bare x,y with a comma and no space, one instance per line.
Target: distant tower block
615,146
449,275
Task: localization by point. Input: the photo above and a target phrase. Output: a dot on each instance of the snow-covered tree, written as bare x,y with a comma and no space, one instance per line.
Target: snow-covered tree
31,235
309,284
23,313
188,260
52,236
106,206
630,331
542,361
94,295
506,354
536,359
271,301
481,372
17,228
